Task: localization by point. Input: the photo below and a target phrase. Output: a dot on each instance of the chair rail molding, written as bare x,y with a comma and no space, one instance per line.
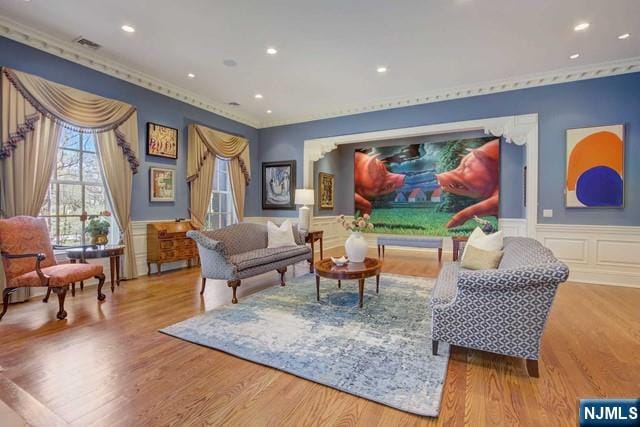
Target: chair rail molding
519,130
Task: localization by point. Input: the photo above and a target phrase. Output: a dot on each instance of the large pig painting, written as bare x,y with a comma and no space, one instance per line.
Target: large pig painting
429,188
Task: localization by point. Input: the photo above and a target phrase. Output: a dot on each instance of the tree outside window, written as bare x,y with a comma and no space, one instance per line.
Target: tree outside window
76,186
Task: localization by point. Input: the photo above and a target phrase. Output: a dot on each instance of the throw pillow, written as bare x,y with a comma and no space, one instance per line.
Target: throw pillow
487,242
479,259
278,237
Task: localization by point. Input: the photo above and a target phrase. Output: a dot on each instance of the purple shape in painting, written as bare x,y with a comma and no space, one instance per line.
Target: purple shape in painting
600,186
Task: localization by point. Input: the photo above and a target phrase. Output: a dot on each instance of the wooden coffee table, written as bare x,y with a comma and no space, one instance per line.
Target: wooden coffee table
352,271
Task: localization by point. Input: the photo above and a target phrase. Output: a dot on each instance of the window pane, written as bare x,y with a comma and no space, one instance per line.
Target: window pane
94,199
223,202
214,221
68,166
90,168
70,139
222,165
215,202
70,199
222,182
70,230
49,205
89,144
52,223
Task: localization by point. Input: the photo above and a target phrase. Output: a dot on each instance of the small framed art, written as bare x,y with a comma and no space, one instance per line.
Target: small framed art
278,185
162,141
162,185
326,193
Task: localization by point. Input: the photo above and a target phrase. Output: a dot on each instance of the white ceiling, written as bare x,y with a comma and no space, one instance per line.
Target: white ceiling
329,49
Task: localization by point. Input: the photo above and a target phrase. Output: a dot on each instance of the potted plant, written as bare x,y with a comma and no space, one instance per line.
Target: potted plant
356,245
98,228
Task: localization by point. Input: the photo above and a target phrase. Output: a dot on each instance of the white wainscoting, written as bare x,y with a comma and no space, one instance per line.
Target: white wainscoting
596,254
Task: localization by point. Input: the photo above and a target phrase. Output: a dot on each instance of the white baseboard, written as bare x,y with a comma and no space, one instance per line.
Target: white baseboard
607,255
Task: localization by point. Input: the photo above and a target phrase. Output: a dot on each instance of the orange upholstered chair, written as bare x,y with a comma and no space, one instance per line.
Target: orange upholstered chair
28,260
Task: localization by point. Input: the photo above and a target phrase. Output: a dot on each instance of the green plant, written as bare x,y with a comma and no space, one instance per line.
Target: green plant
98,225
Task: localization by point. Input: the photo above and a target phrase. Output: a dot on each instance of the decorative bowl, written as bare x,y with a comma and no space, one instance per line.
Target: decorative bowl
340,261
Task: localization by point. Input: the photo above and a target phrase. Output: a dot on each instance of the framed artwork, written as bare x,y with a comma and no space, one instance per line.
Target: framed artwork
326,193
429,188
162,185
278,185
162,141
595,167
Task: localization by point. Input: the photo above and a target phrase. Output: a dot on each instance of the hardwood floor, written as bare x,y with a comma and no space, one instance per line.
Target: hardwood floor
107,364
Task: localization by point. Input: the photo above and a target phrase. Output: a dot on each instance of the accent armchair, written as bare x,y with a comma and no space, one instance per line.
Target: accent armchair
28,260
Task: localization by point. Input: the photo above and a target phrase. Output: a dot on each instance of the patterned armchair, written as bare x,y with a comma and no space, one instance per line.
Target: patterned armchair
239,251
28,260
502,311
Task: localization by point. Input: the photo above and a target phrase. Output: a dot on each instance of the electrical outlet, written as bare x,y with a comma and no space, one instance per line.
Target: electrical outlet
547,213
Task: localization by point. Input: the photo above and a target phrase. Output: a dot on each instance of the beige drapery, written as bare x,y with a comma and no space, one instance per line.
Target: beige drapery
205,144
33,112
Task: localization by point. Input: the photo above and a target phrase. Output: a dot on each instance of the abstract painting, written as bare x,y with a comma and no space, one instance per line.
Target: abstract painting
278,185
162,185
162,141
326,194
595,167
431,188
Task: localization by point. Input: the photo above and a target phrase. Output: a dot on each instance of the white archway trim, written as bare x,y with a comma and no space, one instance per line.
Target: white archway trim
519,130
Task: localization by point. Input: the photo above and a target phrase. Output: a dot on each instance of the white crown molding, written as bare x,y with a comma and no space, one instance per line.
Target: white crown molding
36,39
39,40
564,75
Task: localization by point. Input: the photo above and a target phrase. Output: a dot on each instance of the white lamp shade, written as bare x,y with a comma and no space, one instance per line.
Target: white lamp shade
305,197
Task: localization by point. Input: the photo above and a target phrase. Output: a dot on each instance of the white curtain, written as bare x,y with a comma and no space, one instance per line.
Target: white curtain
33,112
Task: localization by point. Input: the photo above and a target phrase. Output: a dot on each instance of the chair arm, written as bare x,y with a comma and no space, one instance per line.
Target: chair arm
215,263
44,279
534,275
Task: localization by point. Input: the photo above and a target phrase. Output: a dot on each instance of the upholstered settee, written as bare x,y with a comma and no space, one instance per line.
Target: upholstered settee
239,251
501,311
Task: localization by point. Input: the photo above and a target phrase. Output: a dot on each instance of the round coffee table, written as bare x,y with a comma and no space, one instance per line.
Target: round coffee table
351,271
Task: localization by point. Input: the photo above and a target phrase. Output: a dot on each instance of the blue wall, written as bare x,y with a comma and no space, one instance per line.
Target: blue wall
152,107
585,103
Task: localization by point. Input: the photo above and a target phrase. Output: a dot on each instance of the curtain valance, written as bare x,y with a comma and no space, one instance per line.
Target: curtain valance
205,144
26,99
204,141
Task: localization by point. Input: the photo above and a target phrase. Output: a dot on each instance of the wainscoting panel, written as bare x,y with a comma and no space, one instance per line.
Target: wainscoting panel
596,254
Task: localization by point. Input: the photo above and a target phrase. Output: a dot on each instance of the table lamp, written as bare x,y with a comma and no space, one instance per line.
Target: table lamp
304,197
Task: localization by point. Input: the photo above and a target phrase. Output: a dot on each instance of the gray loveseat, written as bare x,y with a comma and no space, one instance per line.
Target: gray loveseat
239,251
502,311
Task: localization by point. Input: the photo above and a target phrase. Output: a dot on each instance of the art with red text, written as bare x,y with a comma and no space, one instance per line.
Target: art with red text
432,189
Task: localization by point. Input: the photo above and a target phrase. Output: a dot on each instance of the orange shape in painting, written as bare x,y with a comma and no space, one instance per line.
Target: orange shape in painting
598,149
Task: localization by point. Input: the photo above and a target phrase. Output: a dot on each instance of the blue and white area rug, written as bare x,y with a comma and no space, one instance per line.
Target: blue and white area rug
381,352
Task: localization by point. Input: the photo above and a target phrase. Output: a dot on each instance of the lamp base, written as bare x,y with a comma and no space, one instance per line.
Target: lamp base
304,218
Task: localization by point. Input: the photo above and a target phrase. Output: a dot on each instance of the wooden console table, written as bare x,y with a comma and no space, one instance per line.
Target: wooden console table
312,237
458,244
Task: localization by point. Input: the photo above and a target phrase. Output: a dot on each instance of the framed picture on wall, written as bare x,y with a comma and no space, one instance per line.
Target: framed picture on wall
278,185
326,190
162,185
595,167
162,141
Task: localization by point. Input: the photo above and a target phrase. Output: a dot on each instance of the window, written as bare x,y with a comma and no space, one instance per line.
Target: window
76,187
221,210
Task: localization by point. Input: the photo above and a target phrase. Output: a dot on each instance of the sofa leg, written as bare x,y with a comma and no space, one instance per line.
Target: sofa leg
434,347
62,293
204,283
6,293
532,368
234,285
282,271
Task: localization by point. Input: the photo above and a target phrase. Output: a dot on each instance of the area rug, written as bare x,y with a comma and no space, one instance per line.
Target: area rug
381,352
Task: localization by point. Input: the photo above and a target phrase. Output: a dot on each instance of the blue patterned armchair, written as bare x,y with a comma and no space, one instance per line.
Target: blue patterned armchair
502,311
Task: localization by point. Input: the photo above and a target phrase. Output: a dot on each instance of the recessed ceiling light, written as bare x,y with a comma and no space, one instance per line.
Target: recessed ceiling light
624,36
581,26
269,111
191,75
381,69
575,56
128,29
258,96
272,51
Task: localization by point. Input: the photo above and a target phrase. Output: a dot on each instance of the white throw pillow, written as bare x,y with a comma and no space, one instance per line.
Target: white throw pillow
486,242
280,236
